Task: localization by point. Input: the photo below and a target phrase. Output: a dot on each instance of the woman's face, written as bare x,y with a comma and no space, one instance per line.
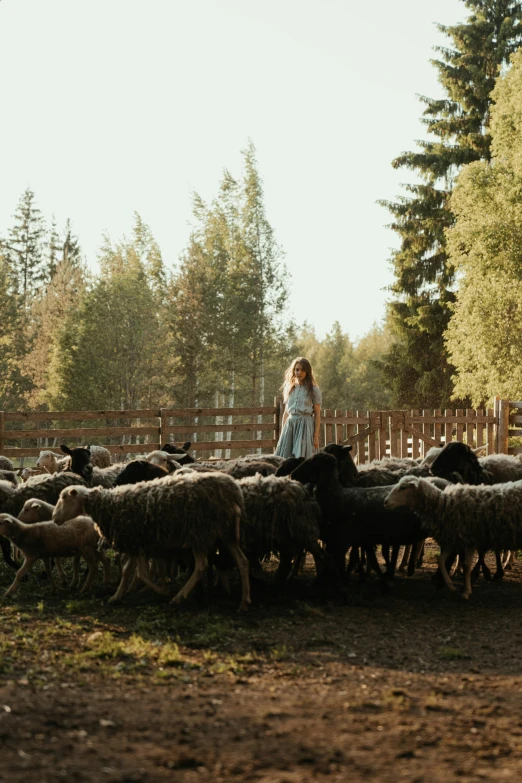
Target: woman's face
299,373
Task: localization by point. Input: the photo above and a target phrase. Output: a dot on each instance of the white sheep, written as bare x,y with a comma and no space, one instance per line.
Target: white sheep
44,540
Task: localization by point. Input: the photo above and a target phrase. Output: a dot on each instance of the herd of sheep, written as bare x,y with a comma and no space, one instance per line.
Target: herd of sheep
166,514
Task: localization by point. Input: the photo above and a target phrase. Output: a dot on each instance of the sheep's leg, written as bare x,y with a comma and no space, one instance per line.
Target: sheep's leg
509,560
353,560
325,566
391,566
127,570
61,572
104,560
144,577
284,568
75,581
499,574
468,560
92,564
298,564
445,553
374,563
420,556
26,566
405,558
200,566
6,551
243,568
49,572
416,552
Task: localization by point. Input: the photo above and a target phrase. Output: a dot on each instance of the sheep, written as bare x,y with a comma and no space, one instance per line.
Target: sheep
6,463
191,511
184,458
272,459
50,462
165,460
26,473
280,515
46,488
355,517
139,470
463,517
44,540
9,475
371,475
35,510
106,477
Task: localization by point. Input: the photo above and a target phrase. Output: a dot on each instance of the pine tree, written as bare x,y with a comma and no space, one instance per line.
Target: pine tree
417,366
26,247
14,384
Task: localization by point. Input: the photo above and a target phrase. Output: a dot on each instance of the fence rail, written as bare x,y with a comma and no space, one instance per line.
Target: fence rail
232,431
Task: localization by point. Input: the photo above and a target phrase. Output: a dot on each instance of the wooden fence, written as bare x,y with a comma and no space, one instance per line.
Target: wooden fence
228,432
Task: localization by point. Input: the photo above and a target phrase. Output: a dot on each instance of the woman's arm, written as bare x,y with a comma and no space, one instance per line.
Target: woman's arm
317,423
285,417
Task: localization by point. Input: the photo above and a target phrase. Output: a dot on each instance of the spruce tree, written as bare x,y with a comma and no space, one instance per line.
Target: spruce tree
417,365
26,248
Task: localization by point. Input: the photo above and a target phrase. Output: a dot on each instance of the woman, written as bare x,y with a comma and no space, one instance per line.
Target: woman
302,416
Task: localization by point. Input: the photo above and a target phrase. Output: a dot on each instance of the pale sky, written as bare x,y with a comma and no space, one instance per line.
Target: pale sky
111,106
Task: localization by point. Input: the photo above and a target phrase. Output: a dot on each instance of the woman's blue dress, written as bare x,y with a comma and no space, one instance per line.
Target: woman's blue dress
297,437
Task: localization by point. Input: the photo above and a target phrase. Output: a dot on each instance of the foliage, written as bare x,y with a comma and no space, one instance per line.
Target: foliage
350,375
485,247
417,365
112,350
227,300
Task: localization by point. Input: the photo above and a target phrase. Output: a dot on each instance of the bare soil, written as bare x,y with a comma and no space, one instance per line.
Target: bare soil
414,685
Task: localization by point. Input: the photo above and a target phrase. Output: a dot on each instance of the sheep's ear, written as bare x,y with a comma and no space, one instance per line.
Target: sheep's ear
73,491
346,450
66,449
34,505
186,446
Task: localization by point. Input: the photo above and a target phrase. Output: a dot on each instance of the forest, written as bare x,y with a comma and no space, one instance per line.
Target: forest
130,329
210,330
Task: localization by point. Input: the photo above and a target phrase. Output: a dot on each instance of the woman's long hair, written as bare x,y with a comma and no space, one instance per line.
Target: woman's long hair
289,381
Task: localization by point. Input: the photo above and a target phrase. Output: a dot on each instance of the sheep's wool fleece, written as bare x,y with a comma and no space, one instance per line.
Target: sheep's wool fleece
190,510
45,487
485,517
501,468
5,463
279,514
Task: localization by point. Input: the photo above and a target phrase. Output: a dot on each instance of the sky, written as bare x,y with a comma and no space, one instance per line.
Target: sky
117,106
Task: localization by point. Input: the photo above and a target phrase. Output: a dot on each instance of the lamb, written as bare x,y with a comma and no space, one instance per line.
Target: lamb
44,540
5,463
355,517
50,462
35,510
191,511
463,517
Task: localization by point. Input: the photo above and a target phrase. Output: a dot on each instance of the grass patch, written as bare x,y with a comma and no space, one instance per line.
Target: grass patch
451,653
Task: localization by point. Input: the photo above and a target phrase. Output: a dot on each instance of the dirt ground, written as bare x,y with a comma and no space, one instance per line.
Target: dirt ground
414,686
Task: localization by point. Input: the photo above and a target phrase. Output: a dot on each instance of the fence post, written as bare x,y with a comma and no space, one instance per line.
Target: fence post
502,409
277,419
163,433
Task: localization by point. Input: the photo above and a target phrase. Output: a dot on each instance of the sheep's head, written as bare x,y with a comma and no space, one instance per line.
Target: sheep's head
80,461
140,470
346,466
181,452
7,524
48,461
457,457
70,504
318,467
403,493
31,512
165,460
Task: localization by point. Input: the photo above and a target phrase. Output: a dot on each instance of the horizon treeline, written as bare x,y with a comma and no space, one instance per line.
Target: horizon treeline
212,330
